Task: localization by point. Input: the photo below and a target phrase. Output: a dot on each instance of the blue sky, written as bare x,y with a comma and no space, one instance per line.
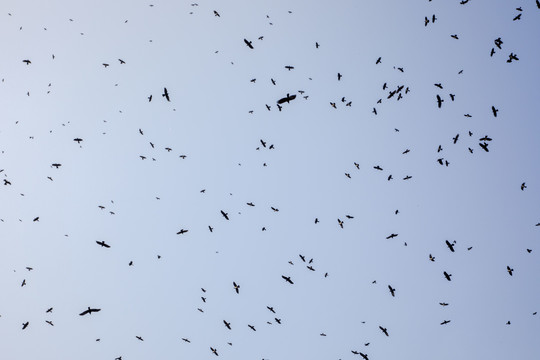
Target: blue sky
217,118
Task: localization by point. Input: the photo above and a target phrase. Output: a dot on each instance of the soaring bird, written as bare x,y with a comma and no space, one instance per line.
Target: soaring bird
340,223
248,43
89,311
166,94
339,76
278,320
186,340
484,146
227,324
25,325
287,279
439,101
236,287
271,309
447,276
286,99
523,186
445,322
214,351
103,244
392,290
510,270
182,231
391,236
49,310
432,258
450,245
378,61
289,67
49,322
28,62
216,13
225,215
252,327
139,337
384,330
78,140
494,111
121,61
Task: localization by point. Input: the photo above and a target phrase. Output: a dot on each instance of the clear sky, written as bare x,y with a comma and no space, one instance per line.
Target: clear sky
121,185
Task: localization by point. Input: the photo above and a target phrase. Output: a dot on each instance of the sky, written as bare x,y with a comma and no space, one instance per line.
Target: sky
144,170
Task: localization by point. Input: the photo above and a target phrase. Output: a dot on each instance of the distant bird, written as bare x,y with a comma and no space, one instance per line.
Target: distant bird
210,228
78,140
518,17
316,220
287,278
384,330
432,258
105,65
25,325
340,223
49,310
317,45
494,111
456,138
89,311
186,340
439,85
216,13
271,309
182,231
484,146
454,36
103,244
121,61
139,338
443,304
523,186
445,322
286,99
273,81
252,327
391,236
510,270
28,62
236,287
289,67
166,94
23,282
36,219
439,101
248,43
278,320
228,325
225,215
450,246
49,322
378,168
378,61
447,276
56,165
339,76
214,351
392,290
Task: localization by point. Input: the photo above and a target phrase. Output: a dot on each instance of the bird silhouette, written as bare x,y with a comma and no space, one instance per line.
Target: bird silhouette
89,311
227,324
166,94
384,330
447,276
248,43
287,279
236,287
103,244
392,290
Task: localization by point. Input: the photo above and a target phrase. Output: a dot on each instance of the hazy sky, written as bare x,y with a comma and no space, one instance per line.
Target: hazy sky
317,162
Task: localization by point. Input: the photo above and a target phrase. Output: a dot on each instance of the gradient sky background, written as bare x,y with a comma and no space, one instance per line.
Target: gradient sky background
207,68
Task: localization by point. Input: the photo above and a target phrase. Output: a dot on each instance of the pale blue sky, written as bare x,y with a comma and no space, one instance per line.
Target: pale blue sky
207,69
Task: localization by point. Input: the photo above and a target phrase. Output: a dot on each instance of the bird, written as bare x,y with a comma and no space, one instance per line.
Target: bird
316,45
103,244
228,325
454,36
214,351
36,219
23,282
271,309
182,231
510,270
392,290
78,140
236,287
278,320
139,337
56,165
439,101
225,215
523,186
252,327
186,340
432,258
216,13
450,246
456,138
494,111
384,330
339,76
150,98
121,61
518,17
447,276
49,322
28,62
378,168
166,94
378,60
25,325
248,43
445,322
89,311
49,310
287,279
484,146
289,67
286,99
443,304
391,236
340,223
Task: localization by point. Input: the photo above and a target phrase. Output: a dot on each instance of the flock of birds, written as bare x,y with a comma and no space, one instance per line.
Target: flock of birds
397,93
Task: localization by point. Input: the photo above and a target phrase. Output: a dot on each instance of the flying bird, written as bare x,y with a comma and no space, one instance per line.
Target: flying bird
166,94
287,279
182,231
89,311
384,330
392,290
103,244
450,246
439,101
286,99
248,43
228,325
494,111
510,270
445,322
225,215
447,276
236,287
